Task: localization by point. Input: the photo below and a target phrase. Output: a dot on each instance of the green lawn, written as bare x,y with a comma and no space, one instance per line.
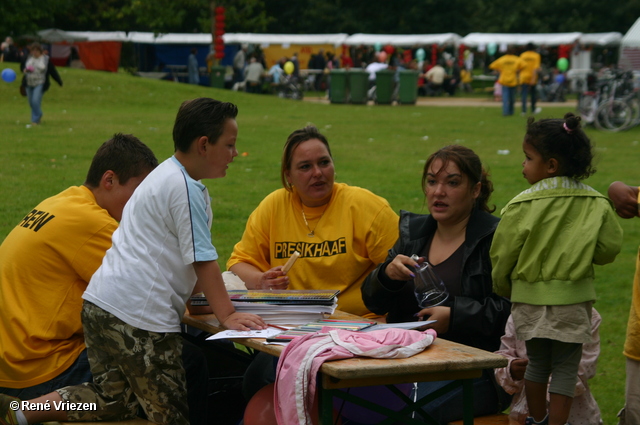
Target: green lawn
382,148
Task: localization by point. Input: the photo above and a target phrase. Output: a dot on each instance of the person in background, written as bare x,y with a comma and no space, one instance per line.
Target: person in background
193,68
529,78
584,410
508,66
535,262
239,64
37,68
254,73
9,52
626,200
435,79
455,239
452,78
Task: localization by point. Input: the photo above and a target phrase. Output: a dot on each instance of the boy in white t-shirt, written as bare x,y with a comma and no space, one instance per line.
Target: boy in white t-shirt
161,254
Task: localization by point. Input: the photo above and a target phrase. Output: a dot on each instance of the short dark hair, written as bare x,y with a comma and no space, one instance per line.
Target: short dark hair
302,135
563,140
125,155
201,117
470,165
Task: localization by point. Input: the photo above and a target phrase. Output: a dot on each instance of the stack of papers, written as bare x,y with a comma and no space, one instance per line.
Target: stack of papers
280,314
282,307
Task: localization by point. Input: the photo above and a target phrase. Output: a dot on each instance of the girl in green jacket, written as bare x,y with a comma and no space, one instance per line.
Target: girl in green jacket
543,253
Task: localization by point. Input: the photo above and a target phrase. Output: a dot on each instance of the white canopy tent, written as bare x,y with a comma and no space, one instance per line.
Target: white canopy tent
476,39
172,38
54,35
405,40
99,35
237,38
285,39
630,48
601,38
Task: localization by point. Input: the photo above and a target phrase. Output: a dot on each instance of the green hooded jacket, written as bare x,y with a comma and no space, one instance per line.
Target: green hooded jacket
549,237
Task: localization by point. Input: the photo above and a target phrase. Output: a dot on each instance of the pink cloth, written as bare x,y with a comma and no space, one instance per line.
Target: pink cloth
301,359
584,409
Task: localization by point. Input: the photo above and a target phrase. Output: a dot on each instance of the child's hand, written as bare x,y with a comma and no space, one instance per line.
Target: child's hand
244,322
517,369
624,198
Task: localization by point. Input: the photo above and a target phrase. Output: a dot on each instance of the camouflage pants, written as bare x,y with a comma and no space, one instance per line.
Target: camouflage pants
131,367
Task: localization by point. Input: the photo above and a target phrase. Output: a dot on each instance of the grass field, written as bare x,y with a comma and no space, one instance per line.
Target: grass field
382,148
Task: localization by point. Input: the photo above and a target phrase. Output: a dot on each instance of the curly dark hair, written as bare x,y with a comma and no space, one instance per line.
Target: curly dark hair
563,140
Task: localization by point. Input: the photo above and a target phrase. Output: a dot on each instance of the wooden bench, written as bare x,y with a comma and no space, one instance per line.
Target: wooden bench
497,419
129,422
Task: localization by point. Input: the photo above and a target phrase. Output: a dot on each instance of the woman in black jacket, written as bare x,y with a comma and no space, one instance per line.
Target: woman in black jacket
455,239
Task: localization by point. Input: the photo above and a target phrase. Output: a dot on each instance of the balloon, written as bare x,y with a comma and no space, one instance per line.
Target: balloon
377,46
382,56
379,395
492,48
289,67
420,54
563,65
260,409
8,75
389,49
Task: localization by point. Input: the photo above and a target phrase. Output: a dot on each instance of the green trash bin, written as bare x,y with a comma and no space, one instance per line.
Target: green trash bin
217,76
358,81
384,86
338,86
408,92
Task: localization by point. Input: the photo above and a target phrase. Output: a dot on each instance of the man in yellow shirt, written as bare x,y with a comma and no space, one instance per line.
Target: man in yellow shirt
508,66
529,78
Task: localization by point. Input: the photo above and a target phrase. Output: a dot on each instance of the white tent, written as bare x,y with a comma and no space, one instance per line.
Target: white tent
406,40
476,39
54,35
99,35
630,48
237,38
601,38
172,38
287,39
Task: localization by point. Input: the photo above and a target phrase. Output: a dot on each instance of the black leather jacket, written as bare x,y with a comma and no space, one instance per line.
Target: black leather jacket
478,315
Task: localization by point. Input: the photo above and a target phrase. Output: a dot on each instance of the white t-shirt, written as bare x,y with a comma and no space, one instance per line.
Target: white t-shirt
374,67
147,276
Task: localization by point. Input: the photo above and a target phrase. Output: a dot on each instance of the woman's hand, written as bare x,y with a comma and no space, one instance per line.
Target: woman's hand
517,369
243,322
398,270
274,279
441,314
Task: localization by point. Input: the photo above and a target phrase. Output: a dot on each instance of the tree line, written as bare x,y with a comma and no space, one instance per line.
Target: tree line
320,16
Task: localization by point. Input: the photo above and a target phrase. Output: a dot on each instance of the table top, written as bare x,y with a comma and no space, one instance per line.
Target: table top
442,360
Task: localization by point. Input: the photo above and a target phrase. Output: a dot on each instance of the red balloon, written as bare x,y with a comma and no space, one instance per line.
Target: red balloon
219,10
219,55
260,409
